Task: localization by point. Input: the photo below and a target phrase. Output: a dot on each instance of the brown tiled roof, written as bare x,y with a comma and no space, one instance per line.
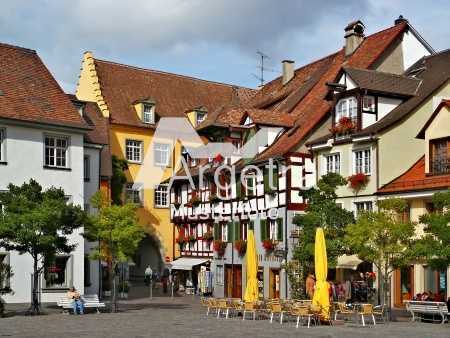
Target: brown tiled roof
30,93
434,71
314,107
173,94
269,118
383,82
415,179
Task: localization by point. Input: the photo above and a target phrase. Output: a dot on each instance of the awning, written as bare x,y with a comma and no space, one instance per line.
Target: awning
348,262
185,263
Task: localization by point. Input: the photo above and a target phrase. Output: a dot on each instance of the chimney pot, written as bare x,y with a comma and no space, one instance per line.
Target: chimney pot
354,36
288,70
400,20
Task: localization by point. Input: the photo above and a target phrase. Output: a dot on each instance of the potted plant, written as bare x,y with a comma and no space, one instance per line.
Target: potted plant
358,181
268,245
181,241
208,236
219,247
214,199
344,126
123,290
241,247
195,201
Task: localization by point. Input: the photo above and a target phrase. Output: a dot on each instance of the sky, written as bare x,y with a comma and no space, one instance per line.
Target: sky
211,39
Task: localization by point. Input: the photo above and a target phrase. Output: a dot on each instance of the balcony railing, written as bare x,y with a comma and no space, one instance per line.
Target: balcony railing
440,166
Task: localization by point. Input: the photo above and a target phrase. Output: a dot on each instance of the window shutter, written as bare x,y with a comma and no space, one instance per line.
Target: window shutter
263,229
238,187
251,225
216,231
250,187
230,231
266,180
237,230
275,177
280,229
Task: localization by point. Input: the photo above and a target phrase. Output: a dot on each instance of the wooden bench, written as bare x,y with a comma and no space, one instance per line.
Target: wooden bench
420,308
89,302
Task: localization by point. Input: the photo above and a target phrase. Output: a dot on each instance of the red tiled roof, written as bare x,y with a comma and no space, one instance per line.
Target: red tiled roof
314,107
415,179
173,94
265,117
30,93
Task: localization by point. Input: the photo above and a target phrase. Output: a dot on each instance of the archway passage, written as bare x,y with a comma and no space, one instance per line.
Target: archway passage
148,253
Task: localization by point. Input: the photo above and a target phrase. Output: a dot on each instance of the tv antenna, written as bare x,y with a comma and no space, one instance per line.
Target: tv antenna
261,67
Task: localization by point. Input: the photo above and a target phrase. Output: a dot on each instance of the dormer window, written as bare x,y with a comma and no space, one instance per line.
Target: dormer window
200,116
80,108
347,107
148,113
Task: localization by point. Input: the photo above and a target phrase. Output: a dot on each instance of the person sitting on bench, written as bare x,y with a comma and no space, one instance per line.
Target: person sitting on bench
77,302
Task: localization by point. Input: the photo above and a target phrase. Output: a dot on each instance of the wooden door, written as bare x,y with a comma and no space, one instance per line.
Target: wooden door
233,281
274,284
403,285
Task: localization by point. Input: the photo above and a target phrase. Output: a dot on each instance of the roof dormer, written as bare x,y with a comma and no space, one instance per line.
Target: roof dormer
146,110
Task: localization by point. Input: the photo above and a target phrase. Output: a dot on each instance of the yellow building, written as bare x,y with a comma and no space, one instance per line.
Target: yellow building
134,100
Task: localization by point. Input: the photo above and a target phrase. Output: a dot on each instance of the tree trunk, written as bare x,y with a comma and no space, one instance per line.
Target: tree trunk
35,306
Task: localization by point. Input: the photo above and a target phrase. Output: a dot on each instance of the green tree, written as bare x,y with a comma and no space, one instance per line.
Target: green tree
38,223
118,179
383,238
322,211
117,230
434,246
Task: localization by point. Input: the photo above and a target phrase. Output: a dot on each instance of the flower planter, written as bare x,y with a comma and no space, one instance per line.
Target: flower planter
358,181
345,126
241,247
269,245
219,247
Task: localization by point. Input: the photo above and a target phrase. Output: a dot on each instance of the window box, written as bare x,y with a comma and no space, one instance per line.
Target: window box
344,126
241,247
269,245
219,247
358,181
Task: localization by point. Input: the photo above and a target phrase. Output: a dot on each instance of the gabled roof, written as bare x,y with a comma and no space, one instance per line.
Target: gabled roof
415,179
382,82
443,103
173,94
30,93
313,108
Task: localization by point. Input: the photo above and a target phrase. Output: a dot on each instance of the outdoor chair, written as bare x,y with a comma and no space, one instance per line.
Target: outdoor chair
343,310
212,305
223,306
249,307
379,311
275,308
366,310
303,312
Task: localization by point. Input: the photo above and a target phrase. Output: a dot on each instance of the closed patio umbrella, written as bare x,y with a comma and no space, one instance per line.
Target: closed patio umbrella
251,289
321,297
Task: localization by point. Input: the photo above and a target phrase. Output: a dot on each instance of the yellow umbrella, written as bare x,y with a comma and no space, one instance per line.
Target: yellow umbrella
321,297
251,289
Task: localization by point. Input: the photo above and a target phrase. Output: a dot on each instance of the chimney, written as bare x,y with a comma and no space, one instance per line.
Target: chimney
400,20
354,36
288,70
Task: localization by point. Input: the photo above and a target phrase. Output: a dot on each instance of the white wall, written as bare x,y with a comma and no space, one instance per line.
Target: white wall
386,105
413,49
24,157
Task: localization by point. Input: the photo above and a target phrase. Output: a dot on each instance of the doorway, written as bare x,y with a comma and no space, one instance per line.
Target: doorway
233,281
274,284
403,285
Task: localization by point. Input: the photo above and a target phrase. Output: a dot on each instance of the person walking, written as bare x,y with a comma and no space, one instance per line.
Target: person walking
148,274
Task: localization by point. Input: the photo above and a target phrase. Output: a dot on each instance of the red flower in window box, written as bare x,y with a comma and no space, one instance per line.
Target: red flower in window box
268,245
181,241
358,181
218,158
219,247
344,125
241,247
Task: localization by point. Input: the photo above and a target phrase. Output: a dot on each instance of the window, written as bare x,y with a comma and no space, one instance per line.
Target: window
224,232
272,229
87,271
333,163
250,183
347,107
87,168
59,273
2,145
134,151
133,194
161,154
56,151
200,117
161,193
369,104
361,161
219,275
440,156
363,206
148,114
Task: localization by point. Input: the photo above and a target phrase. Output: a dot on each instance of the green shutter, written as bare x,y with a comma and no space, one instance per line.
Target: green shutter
251,225
266,180
237,230
250,187
216,231
275,177
263,229
280,229
230,232
238,187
